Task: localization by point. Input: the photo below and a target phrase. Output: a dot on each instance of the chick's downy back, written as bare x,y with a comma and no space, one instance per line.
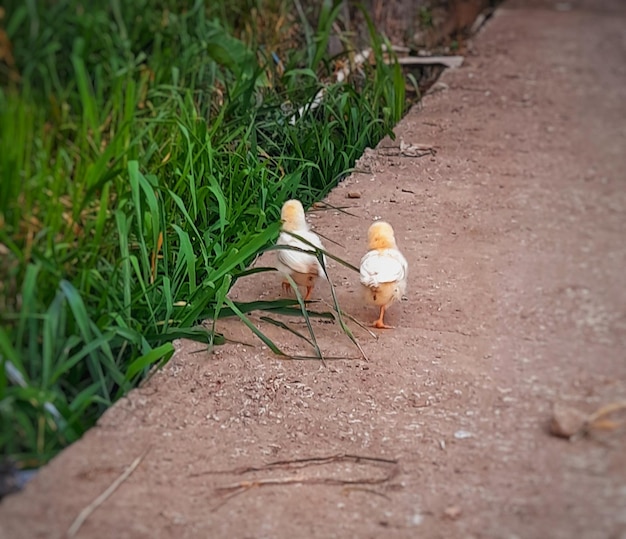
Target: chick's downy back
383,263
383,266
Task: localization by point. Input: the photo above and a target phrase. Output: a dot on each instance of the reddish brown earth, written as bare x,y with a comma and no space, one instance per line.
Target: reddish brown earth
515,232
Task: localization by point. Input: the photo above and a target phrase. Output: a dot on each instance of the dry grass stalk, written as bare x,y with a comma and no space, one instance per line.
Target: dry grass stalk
87,511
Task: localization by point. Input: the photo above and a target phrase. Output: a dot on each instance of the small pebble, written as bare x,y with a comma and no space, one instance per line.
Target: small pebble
566,421
453,512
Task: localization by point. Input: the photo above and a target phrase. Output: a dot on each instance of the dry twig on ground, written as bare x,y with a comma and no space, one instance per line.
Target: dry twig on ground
234,489
87,511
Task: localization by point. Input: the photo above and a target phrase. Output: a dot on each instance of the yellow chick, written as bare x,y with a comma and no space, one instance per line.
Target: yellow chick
383,270
303,268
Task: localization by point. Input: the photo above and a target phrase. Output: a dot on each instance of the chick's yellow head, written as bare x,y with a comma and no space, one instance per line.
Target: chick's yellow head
380,236
292,216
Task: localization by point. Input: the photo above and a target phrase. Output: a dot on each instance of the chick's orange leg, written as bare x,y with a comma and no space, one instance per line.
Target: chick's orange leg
286,287
309,291
380,324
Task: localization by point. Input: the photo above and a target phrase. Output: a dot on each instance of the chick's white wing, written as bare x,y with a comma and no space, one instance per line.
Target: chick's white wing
385,266
297,260
313,238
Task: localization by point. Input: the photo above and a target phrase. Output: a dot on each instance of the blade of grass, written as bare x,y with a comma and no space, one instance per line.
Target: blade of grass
284,326
307,320
266,340
156,355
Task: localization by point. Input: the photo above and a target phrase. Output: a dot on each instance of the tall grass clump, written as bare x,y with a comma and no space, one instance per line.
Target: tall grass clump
147,147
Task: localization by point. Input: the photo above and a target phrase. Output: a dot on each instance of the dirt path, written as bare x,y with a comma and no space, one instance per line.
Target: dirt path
515,234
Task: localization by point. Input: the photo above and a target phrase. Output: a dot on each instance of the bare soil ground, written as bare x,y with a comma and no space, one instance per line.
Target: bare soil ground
515,234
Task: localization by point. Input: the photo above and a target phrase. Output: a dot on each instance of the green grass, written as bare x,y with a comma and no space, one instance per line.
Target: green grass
146,152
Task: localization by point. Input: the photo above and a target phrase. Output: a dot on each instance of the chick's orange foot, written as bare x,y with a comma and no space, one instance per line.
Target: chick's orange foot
379,324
